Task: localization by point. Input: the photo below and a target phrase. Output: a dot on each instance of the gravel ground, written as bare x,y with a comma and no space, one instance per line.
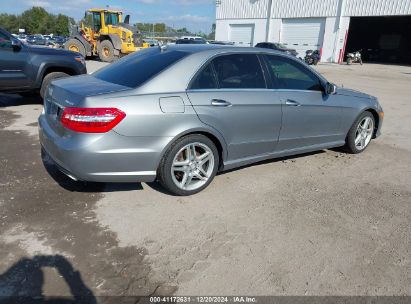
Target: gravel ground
324,223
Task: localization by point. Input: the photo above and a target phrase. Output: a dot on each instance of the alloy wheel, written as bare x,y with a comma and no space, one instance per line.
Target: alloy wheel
364,133
192,166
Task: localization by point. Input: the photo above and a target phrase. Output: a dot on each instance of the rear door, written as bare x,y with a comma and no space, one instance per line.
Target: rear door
310,117
230,94
14,65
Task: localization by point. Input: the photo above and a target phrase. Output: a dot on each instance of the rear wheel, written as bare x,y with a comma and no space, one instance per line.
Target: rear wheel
360,134
106,51
189,165
75,45
48,79
349,61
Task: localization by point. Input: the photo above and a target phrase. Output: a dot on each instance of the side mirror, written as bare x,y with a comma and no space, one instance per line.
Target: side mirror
330,88
15,43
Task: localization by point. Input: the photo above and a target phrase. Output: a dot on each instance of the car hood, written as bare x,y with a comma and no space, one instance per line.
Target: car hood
353,93
44,50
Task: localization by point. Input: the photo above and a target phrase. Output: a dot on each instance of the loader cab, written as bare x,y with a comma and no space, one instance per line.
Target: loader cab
100,20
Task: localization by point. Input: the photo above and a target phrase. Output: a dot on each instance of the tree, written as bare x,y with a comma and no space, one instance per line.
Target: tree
37,21
211,36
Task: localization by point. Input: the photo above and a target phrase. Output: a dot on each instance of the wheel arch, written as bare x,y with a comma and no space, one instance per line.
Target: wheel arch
46,69
217,139
376,119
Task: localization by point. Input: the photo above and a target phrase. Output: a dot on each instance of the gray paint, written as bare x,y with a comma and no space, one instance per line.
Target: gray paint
259,124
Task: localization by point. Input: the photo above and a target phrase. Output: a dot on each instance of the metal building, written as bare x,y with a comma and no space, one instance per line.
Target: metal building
381,28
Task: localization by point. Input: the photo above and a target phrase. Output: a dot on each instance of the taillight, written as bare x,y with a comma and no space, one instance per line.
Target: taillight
91,120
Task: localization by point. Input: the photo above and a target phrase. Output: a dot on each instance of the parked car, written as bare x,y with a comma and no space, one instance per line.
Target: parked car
220,42
59,40
152,42
26,68
182,113
191,41
278,47
22,37
36,40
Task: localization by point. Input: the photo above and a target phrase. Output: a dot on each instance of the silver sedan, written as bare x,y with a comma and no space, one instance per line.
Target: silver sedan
180,114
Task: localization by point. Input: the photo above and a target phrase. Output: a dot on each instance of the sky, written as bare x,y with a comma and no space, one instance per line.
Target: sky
195,15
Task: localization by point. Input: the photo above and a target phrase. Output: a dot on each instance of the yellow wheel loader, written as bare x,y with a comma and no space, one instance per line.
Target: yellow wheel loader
103,33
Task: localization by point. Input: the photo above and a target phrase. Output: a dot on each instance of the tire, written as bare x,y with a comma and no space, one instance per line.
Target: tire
172,175
361,62
48,79
75,45
349,61
352,145
106,51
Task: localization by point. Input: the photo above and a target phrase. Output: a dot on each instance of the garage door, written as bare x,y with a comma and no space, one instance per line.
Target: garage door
303,34
242,34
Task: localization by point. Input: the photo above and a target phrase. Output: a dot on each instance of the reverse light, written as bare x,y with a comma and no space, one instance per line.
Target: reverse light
91,120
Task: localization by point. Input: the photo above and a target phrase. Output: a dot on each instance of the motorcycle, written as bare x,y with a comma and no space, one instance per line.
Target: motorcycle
354,57
312,57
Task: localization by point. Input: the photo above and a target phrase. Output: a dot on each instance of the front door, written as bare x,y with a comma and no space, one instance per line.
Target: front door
14,65
230,94
310,117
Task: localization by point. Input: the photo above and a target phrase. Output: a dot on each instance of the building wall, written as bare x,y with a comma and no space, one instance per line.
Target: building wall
223,26
246,9
336,12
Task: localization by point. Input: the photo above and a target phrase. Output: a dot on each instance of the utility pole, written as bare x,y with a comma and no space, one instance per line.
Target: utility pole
269,14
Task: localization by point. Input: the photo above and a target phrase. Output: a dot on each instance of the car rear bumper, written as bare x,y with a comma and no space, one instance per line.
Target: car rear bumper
107,157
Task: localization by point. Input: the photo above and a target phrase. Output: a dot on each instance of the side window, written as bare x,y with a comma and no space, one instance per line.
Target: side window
239,71
5,41
291,75
205,79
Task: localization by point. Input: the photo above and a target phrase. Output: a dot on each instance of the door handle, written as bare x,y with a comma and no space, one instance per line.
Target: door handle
290,102
220,103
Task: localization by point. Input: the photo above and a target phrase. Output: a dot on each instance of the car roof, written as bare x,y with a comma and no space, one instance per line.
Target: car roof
215,49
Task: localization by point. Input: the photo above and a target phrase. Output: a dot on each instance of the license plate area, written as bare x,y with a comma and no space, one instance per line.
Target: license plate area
52,110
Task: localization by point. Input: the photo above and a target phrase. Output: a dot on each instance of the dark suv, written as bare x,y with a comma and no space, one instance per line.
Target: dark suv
27,68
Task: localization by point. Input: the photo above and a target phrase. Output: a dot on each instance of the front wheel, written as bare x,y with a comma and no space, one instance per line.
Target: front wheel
189,165
75,45
360,134
106,51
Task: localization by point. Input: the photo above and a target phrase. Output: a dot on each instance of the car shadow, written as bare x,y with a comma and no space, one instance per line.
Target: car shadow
12,100
23,282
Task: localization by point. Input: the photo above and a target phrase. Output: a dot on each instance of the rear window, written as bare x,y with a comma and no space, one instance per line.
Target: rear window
137,68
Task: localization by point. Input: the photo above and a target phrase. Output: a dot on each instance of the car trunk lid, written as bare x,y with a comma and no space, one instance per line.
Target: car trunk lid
73,92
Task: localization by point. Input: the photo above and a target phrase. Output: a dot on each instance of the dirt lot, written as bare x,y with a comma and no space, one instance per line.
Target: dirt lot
326,223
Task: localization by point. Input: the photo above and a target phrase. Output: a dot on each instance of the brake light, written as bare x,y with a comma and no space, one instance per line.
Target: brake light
91,120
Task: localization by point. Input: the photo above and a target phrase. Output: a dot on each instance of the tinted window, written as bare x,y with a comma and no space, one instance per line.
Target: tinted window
292,75
4,41
239,71
135,69
205,79
111,18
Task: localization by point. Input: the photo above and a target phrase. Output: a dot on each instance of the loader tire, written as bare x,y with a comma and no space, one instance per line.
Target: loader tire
106,51
75,45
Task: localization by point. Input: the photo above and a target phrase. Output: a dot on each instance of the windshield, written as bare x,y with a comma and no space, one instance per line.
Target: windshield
111,18
135,69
